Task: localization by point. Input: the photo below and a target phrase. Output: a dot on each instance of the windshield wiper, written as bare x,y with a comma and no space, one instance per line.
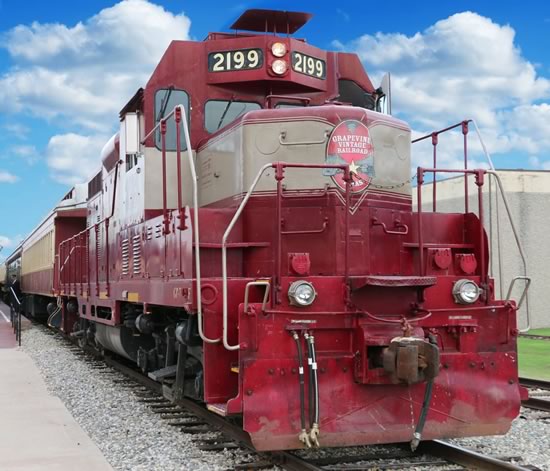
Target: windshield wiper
164,103
229,103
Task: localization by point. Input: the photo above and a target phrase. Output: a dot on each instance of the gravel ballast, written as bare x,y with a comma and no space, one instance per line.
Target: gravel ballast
132,437
127,432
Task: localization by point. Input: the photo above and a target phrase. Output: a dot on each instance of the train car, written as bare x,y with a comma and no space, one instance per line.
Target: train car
251,243
12,267
33,261
3,281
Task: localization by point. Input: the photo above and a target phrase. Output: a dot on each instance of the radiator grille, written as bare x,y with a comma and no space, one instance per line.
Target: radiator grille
136,254
125,257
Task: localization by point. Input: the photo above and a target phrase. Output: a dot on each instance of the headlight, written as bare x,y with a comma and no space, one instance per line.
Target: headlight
466,292
278,49
279,66
301,293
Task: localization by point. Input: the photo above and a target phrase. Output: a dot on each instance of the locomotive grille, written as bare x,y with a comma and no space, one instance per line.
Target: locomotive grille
149,232
136,254
125,257
158,230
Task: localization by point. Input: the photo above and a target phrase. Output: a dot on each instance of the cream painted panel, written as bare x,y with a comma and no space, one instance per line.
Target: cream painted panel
152,169
229,165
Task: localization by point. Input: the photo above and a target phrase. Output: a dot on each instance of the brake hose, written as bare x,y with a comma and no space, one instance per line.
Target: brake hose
311,388
417,435
303,437
314,433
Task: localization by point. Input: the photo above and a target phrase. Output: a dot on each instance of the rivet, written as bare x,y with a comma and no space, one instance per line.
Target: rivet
511,381
249,392
446,366
293,371
271,371
323,370
345,369
282,372
472,364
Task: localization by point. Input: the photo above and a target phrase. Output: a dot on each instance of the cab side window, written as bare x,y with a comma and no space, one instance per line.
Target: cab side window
165,101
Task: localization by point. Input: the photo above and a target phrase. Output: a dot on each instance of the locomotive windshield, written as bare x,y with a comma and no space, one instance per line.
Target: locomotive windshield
219,113
165,101
352,93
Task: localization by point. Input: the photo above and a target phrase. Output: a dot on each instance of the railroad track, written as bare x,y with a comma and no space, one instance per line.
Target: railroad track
190,417
535,337
533,402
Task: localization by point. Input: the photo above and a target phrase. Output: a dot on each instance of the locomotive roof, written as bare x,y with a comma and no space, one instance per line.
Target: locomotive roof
271,21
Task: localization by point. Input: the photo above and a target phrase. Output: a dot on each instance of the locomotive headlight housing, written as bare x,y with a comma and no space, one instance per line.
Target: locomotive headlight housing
279,67
278,49
466,292
301,293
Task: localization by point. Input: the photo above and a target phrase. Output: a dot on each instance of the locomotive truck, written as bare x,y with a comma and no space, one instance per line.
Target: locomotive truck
250,242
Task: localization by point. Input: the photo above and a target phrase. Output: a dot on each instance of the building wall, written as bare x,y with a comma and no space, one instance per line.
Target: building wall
528,196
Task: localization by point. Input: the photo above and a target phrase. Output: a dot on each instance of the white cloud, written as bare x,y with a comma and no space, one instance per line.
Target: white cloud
8,242
73,158
87,72
7,177
28,153
17,130
464,66
83,74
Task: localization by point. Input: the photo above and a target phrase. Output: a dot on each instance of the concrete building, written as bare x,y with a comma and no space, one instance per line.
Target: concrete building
528,196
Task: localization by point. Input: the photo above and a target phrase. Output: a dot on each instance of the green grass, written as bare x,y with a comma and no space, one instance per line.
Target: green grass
540,332
534,356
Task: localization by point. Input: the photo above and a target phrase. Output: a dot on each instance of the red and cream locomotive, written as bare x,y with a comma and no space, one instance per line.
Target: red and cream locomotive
250,241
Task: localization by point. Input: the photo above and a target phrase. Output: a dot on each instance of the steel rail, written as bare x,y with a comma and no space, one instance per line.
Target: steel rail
467,458
536,403
287,460
536,337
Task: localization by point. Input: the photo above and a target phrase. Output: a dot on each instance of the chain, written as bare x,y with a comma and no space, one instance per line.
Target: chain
394,186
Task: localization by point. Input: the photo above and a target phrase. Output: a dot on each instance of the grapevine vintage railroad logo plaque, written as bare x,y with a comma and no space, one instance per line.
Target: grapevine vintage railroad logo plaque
350,143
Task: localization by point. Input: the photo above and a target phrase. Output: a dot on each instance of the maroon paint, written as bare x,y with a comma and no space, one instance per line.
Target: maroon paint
370,269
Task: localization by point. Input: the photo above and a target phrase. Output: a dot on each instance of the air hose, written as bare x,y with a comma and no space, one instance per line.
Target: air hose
417,435
303,437
311,389
314,432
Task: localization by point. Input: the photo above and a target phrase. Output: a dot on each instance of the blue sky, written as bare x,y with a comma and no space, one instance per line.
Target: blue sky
66,68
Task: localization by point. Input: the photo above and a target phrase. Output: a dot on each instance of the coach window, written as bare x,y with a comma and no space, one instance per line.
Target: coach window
165,101
352,93
219,113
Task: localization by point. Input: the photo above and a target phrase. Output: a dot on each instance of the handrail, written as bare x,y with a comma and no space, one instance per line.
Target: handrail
519,246
278,166
194,180
479,174
492,174
265,283
224,254
177,114
16,323
525,288
75,242
15,295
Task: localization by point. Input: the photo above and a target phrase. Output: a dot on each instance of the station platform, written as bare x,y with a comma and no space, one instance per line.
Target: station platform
37,432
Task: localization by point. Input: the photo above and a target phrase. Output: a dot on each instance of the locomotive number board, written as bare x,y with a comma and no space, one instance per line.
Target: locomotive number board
308,65
239,59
